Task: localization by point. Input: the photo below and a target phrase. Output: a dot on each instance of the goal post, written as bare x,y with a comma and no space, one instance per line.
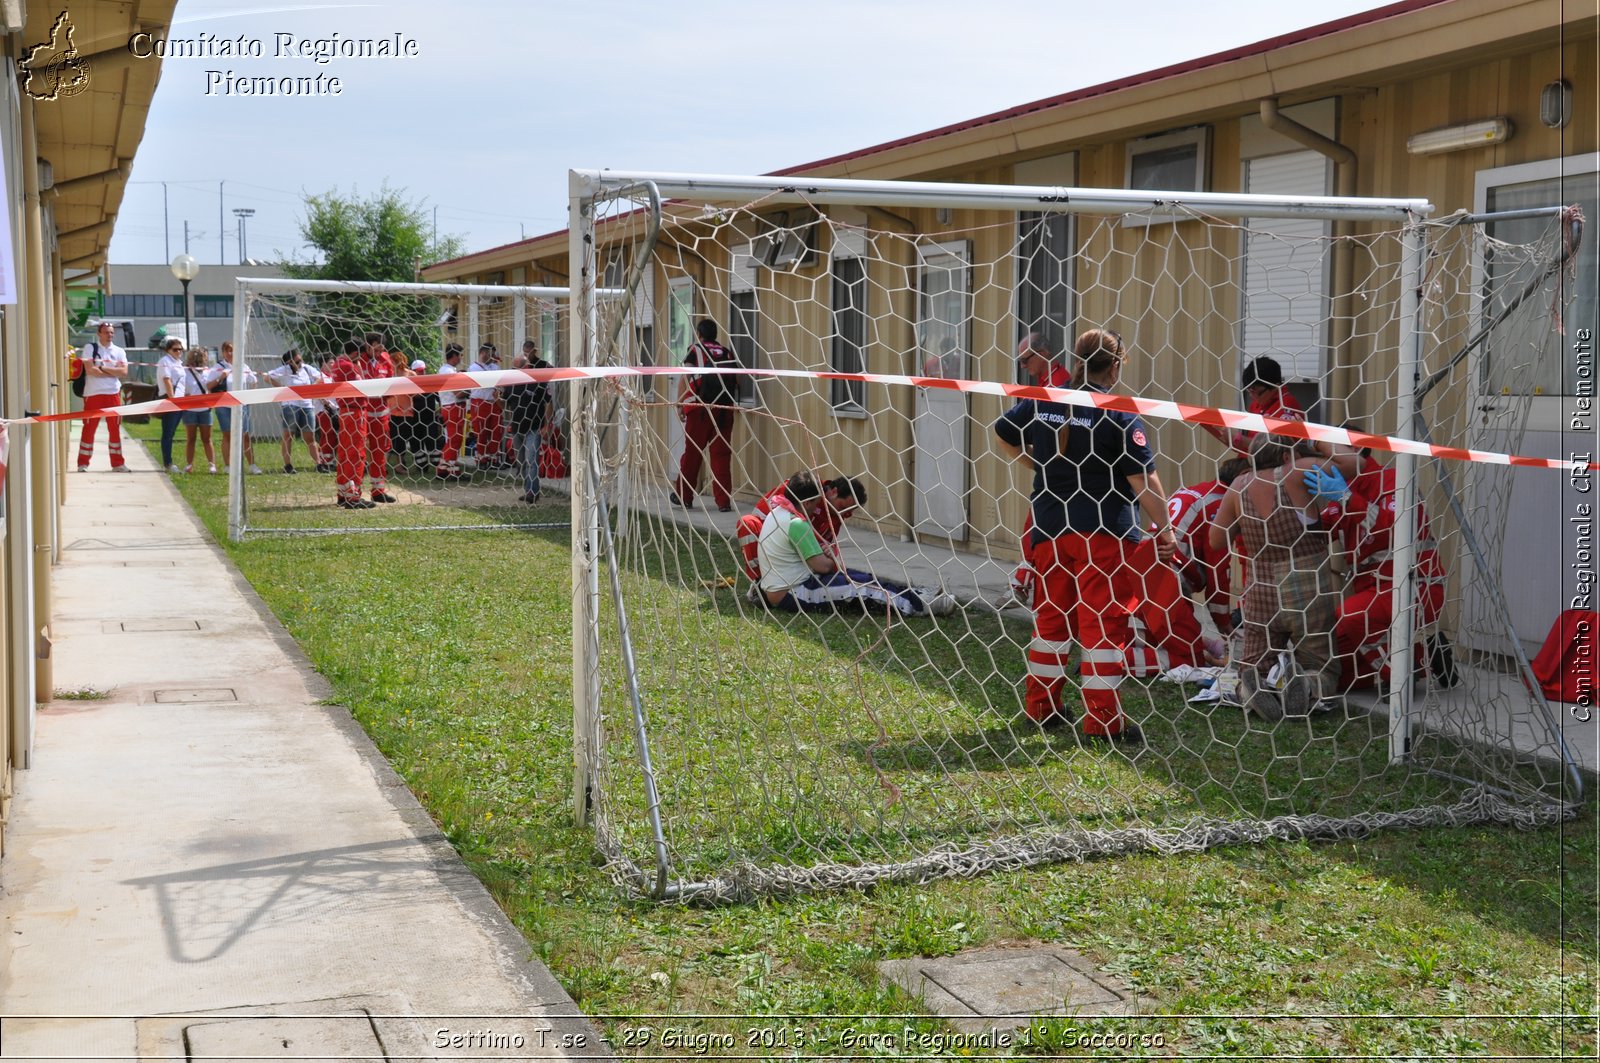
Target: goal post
417,322
725,746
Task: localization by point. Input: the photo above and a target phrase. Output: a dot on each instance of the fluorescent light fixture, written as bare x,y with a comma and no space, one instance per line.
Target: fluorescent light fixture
1456,137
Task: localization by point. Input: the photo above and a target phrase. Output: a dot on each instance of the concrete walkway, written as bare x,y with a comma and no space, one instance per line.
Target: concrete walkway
209,861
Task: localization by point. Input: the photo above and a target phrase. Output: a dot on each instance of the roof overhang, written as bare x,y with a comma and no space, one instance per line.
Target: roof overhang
91,99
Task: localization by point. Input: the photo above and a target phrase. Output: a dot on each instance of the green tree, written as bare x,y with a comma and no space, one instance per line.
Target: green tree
381,237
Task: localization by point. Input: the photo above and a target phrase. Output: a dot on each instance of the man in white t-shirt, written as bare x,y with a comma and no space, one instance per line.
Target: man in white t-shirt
298,414
169,385
105,367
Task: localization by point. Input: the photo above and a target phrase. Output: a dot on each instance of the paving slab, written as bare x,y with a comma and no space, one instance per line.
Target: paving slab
1006,987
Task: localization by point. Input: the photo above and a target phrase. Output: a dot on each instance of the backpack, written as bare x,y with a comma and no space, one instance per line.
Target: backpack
717,389
80,375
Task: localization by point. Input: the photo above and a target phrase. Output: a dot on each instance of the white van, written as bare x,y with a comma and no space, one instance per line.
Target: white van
175,328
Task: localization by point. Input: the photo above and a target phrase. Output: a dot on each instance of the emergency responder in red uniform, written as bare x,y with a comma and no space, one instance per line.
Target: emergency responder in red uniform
452,417
827,514
1038,361
1192,510
706,404
363,424
1266,395
1091,467
1364,525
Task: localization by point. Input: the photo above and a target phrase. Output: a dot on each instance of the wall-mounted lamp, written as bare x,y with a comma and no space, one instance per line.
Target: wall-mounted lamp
1555,103
1456,137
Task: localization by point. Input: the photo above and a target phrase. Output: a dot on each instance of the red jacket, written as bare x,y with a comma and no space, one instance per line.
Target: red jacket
345,369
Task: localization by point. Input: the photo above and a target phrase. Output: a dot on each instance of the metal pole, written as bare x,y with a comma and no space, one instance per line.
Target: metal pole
1404,586
166,223
738,189
585,579
222,255
241,315
186,340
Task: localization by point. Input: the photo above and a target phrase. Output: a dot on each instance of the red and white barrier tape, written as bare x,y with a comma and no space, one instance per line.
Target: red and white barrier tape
1158,408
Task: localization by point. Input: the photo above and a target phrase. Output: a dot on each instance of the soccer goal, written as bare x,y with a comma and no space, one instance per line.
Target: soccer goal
449,460
728,747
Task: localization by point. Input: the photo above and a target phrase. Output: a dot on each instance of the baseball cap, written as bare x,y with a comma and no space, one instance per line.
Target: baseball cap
419,364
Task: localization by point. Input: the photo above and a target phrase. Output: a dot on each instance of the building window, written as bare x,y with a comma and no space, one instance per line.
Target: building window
163,306
1044,279
849,332
1554,369
213,306
743,330
744,320
1171,162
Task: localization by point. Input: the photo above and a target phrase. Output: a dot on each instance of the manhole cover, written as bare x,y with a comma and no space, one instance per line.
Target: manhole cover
178,697
341,1035
1007,987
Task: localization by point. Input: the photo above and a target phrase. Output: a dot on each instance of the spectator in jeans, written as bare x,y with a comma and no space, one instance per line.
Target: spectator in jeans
169,385
529,415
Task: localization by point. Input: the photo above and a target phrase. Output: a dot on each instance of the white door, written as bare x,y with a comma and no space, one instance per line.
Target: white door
1527,380
680,333
939,426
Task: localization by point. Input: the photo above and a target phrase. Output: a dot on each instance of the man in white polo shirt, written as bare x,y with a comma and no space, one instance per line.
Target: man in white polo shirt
105,367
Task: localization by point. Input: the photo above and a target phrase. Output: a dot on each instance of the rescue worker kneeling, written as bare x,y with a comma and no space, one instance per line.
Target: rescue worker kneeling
797,572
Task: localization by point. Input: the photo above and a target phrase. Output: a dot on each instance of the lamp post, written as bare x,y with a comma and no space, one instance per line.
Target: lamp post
242,213
186,269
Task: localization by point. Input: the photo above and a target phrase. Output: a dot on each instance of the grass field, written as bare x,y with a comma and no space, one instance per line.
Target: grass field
452,648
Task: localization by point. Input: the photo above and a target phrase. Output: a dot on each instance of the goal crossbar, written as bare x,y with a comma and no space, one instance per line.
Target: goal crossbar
732,189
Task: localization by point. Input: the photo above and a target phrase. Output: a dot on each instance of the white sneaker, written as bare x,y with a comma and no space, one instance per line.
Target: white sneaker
255,470
211,468
121,468
941,604
83,468
172,469
188,468
1188,673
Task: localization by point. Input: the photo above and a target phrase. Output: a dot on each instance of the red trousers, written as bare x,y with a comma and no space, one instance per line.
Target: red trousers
1161,606
490,430
1361,627
452,417
707,431
1082,581
327,438
113,430
363,444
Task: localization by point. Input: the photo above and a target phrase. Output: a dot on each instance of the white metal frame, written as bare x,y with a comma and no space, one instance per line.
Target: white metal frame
586,187
243,286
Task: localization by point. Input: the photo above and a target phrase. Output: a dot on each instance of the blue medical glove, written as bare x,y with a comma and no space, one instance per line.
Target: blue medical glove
1326,485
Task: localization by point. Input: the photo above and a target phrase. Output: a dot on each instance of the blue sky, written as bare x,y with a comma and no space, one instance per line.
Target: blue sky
501,98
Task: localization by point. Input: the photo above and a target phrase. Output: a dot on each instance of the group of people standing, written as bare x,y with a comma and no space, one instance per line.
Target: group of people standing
350,437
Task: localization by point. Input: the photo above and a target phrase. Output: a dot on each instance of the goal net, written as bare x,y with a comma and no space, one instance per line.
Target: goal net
945,709
452,459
